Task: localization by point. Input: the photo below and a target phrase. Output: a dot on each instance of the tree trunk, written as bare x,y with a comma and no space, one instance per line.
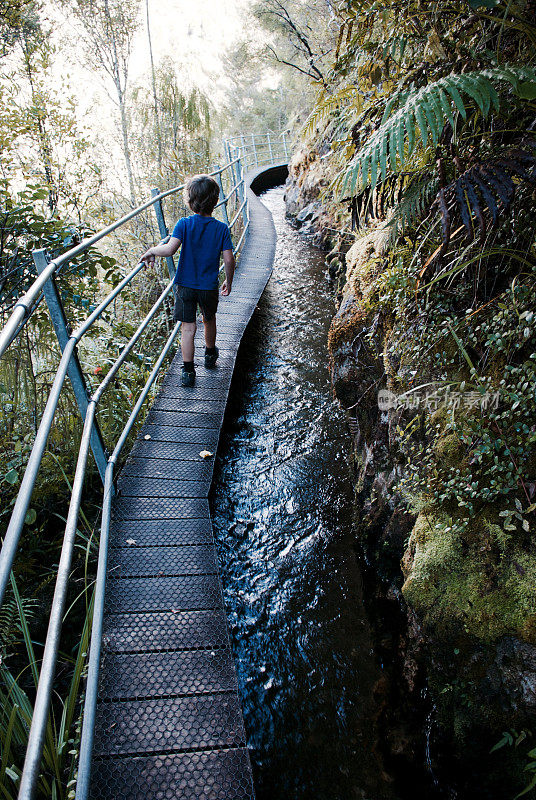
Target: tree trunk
44,144
155,96
121,92
126,146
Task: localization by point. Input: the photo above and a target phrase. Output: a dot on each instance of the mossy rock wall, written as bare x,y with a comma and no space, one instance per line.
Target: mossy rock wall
469,593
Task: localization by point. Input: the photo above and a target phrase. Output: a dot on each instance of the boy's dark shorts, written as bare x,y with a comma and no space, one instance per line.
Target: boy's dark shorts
187,300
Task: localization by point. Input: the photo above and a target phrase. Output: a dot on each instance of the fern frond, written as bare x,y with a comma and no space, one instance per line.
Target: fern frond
487,189
423,115
10,626
417,198
325,107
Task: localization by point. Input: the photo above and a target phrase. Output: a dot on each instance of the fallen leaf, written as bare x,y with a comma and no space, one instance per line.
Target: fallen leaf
131,541
205,454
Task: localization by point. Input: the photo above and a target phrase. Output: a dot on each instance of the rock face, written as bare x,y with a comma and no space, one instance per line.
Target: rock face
306,182
470,619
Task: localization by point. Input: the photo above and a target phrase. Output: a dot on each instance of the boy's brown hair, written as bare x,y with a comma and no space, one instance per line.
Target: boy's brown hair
202,194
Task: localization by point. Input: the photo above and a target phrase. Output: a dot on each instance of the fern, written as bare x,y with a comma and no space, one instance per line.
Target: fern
417,198
485,189
327,106
10,625
422,114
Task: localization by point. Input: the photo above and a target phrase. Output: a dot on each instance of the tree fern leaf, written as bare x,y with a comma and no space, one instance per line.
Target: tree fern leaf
462,206
383,157
350,178
410,127
422,113
516,168
433,126
487,195
374,168
446,106
497,183
435,104
458,102
423,128
474,205
400,138
495,99
470,86
389,107
506,73
393,147
484,87
365,164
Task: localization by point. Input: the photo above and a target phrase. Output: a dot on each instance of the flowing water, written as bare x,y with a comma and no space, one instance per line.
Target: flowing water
283,522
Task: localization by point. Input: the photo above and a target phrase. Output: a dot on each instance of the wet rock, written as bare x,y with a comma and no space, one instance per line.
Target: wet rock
306,182
516,663
310,212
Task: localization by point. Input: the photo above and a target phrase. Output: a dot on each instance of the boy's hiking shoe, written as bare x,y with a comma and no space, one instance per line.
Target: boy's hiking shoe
187,377
211,358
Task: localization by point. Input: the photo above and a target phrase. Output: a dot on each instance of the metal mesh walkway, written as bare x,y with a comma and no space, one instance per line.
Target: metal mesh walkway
169,722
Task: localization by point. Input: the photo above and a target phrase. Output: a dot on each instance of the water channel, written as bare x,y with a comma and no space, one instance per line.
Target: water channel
283,523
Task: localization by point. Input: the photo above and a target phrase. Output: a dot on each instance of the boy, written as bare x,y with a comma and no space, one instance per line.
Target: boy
203,238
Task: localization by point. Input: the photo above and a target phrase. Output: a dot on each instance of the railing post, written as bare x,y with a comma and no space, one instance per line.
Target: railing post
230,157
242,192
74,371
270,148
162,227
285,145
242,149
254,143
222,198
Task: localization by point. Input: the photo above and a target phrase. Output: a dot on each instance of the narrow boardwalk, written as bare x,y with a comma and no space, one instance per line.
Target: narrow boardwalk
169,722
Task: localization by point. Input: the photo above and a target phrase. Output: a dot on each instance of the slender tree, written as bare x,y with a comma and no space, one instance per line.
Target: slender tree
108,27
155,94
34,48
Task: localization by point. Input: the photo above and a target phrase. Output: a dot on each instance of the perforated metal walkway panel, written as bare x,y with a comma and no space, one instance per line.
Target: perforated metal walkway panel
169,722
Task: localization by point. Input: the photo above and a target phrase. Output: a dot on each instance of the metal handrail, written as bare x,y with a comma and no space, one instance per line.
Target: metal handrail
250,150
15,323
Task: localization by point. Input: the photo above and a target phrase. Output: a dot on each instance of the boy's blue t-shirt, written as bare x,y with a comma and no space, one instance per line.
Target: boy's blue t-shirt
202,241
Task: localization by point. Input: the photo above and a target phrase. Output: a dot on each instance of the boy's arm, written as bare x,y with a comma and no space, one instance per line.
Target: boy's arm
161,250
229,264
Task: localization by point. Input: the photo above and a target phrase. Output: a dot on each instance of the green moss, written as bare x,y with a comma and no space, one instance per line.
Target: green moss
462,580
449,449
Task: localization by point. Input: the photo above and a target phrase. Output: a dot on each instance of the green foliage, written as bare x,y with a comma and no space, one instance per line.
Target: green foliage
514,738
185,131
421,117
16,709
17,18
24,228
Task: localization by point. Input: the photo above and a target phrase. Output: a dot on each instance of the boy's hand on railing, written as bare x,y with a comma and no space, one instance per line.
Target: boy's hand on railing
148,256
167,247
225,289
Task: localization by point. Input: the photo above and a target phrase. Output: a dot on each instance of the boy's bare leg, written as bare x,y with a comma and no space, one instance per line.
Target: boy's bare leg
210,332
188,330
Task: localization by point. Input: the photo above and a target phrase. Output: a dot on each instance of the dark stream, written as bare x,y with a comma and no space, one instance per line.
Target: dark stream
284,527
